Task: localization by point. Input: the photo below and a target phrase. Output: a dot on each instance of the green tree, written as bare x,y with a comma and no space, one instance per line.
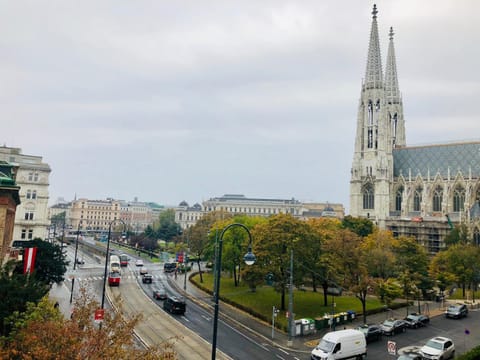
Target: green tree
201,238
50,263
17,290
458,235
381,257
360,226
275,239
167,228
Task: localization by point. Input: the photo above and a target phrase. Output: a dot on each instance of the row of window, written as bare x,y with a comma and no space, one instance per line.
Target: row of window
33,176
31,194
437,198
27,234
254,210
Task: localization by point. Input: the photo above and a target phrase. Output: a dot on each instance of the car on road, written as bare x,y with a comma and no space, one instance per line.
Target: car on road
393,326
147,279
80,261
456,311
372,332
414,320
160,293
139,262
438,348
174,305
413,355
143,270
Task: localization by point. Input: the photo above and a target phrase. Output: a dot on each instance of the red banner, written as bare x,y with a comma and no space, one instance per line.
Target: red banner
29,259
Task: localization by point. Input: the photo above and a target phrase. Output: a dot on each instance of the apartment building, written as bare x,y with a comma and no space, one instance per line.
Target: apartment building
31,218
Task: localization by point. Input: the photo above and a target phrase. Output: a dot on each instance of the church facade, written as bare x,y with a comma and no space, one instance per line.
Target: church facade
419,191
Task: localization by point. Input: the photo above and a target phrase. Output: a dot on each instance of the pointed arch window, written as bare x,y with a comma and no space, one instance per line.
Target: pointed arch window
417,199
398,199
476,236
437,199
368,197
370,125
458,199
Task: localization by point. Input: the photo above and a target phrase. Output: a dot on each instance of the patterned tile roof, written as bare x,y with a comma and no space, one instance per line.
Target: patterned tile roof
464,157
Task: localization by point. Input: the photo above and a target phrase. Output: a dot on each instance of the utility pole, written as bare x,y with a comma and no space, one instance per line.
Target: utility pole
290,303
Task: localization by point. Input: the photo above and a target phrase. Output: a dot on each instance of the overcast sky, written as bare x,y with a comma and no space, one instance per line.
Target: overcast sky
186,100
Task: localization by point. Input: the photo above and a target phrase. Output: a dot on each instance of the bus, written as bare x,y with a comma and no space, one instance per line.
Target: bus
124,260
114,264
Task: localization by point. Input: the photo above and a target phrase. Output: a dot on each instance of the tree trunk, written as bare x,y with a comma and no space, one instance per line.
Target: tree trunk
314,283
200,271
282,305
325,295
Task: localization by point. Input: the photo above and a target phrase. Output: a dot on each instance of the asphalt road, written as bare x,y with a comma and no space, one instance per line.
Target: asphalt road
236,341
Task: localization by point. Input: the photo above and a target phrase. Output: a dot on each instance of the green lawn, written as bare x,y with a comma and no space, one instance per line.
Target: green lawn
306,304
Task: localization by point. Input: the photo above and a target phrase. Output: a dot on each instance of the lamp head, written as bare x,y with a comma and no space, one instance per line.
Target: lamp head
249,257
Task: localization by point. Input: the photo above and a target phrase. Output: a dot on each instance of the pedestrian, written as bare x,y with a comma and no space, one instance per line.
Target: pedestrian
57,305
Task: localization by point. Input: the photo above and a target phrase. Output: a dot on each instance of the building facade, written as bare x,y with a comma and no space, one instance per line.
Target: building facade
234,204
137,215
418,191
31,219
9,200
94,215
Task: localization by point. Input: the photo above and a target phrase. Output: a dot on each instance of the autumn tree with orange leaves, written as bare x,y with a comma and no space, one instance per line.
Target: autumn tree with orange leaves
42,332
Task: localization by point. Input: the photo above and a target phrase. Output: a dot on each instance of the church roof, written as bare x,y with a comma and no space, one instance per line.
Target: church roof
443,159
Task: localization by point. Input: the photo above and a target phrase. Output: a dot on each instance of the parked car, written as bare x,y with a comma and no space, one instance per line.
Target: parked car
393,326
414,320
456,311
143,270
174,305
410,355
372,332
139,262
438,348
147,279
160,293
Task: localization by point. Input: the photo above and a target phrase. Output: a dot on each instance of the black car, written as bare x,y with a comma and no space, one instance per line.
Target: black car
372,332
394,326
147,279
174,305
456,311
160,293
414,320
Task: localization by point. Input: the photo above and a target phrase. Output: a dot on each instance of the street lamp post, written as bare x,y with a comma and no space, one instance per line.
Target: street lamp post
249,259
106,256
290,302
75,260
185,254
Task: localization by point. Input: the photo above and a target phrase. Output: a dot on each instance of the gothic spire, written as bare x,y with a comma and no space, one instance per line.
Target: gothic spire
391,79
373,75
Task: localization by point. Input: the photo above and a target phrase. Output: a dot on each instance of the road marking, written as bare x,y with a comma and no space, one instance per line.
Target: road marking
285,352
208,318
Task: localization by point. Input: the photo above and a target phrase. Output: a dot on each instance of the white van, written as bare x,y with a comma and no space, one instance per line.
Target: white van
343,344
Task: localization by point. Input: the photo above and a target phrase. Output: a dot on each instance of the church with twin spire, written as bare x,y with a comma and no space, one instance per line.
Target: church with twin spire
419,191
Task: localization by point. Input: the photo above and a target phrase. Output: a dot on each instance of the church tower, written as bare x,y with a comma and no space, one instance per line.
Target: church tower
380,128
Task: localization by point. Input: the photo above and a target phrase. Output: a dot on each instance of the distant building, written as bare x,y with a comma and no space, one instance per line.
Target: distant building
31,219
136,215
95,215
9,200
234,204
187,216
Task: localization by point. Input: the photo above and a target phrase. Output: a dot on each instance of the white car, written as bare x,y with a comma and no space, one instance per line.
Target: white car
143,270
438,348
139,262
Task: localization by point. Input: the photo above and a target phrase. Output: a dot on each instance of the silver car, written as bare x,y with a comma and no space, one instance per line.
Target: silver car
438,348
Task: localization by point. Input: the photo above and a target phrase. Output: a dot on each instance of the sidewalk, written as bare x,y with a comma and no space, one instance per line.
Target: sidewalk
300,344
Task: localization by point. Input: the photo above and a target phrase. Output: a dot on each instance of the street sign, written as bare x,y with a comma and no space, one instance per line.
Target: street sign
392,347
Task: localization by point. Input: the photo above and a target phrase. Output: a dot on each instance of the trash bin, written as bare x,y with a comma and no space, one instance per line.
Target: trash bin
351,315
297,328
308,326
